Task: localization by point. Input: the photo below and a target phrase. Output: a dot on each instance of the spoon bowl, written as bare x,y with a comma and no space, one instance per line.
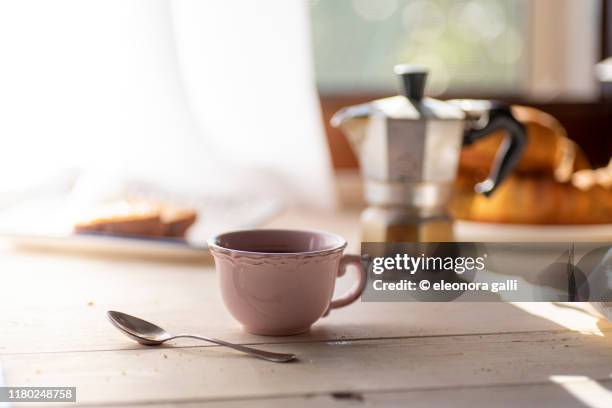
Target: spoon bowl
137,329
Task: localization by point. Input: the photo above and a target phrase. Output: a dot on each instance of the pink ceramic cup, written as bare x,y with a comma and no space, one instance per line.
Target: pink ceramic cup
279,282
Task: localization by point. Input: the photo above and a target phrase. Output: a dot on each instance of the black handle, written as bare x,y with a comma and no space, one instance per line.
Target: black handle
412,80
509,152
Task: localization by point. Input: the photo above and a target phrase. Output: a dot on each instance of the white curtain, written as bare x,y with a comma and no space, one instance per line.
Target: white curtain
200,95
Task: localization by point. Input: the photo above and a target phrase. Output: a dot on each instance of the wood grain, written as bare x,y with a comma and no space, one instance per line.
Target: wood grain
66,298
546,395
214,373
53,332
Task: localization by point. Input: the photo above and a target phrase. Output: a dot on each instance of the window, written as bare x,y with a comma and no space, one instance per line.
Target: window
465,44
542,49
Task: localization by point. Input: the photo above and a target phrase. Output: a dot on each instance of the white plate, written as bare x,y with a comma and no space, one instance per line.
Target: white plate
42,220
489,232
109,245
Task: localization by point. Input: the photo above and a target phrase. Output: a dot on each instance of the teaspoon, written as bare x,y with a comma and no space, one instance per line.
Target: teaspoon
150,334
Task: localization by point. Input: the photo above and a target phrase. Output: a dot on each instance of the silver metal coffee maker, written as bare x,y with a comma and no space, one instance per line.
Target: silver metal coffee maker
408,148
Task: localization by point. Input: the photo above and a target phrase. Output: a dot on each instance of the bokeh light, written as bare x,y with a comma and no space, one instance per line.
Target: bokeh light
474,45
378,10
477,20
511,50
423,20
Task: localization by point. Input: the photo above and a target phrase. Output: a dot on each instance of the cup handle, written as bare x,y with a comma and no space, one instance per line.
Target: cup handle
357,289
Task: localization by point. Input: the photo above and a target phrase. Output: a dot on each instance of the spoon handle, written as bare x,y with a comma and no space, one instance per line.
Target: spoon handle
265,355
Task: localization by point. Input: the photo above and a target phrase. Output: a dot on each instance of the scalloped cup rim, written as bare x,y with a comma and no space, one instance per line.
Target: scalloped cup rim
215,247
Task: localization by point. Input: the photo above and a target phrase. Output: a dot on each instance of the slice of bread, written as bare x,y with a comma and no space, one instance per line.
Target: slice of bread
176,220
137,217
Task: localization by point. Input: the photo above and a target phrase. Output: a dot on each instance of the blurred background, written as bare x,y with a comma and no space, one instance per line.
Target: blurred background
540,53
233,98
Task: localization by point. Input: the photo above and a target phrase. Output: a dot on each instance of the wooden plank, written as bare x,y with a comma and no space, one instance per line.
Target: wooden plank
531,395
213,373
66,299
429,351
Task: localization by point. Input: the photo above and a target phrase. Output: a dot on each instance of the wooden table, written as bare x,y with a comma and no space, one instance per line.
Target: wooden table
53,332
